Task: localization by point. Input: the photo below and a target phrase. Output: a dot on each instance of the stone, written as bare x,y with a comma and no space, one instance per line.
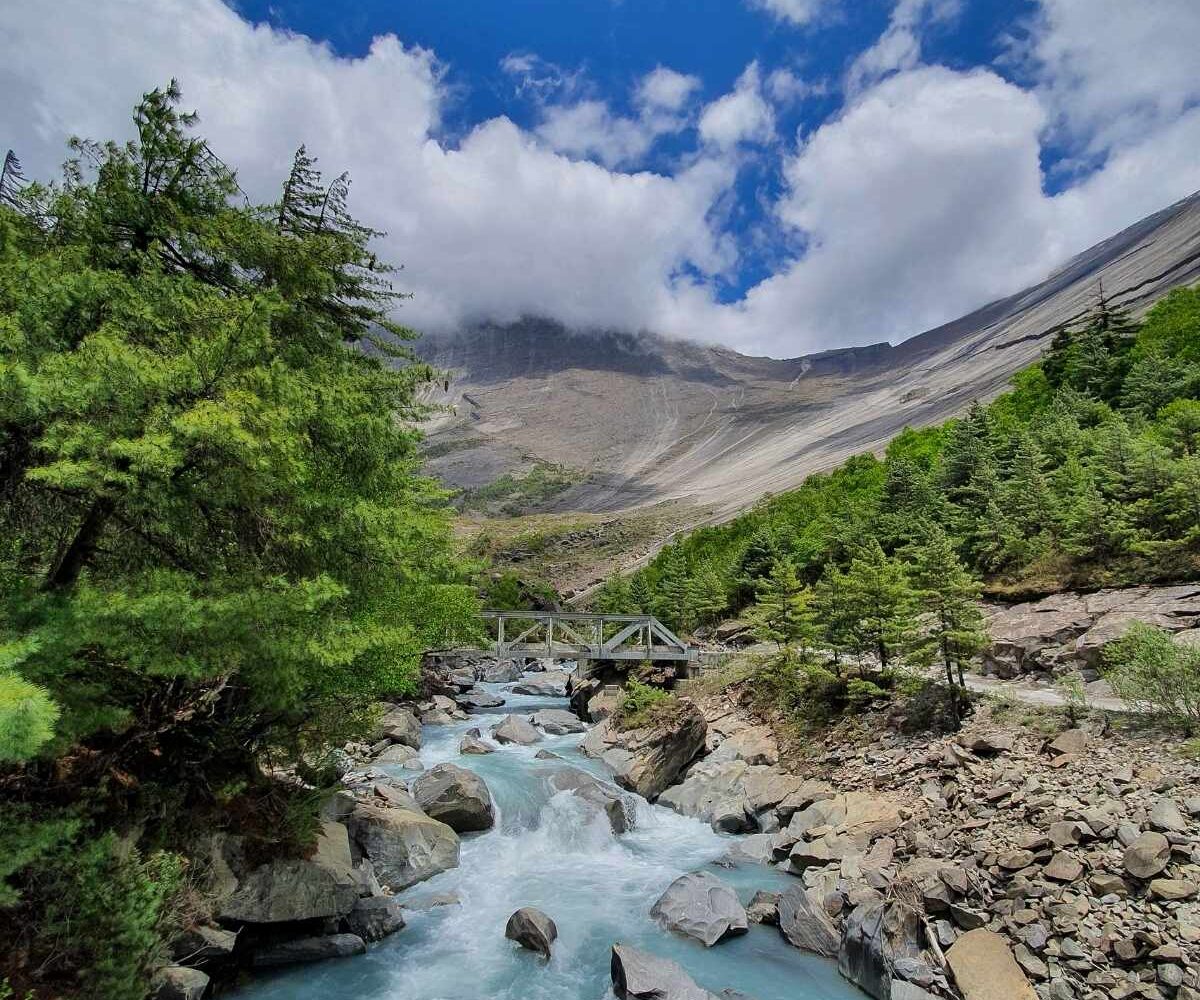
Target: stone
650,759
881,940
985,969
714,792
638,975
1104,884
764,908
619,808
1067,833
1073,741
967,918
394,793
754,849
474,745
456,796
405,847
515,729
806,926
175,982
501,672
701,906
204,944
309,949
1148,855
754,745
397,753
478,698
531,929
1015,860
400,726
551,684
1028,961
1172,889
1165,816
374,918
558,721
430,901
298,889
986,744
1063,868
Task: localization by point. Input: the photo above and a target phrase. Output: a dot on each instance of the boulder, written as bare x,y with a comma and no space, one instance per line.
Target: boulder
701,906
619,809
531,929
551,684
400,726
650,759
1070,741
309,949
558,721
764,908
638,975
298,889
478,698
754,745
1172,890
985,743
1147,855
405,847
474,745
806,926
397,753
502,672
877,939
456,796
713,791
204,944
985,969
755,849
374,918
1165,816
178,983
515,729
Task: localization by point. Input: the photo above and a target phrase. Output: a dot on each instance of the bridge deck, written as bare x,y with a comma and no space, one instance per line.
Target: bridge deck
578,635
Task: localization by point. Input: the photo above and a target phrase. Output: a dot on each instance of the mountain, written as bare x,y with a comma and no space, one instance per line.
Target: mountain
641,419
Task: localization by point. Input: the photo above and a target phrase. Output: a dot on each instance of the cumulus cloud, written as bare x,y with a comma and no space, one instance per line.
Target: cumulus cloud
792,11
665,89
785,87
899,47
742,115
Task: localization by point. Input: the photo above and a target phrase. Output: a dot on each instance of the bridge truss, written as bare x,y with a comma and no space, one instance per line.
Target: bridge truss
574,635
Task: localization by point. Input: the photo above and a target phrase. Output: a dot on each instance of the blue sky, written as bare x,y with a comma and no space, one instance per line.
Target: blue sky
781,176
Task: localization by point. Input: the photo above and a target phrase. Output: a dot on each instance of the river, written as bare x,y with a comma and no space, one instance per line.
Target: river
548,850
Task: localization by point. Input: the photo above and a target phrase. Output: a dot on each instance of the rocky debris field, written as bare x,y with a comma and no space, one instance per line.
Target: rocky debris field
1068,631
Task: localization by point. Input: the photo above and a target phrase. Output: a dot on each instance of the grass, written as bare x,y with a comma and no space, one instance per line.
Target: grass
513,494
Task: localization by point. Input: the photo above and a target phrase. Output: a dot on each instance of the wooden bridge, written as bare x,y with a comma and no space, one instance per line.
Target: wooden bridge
577,636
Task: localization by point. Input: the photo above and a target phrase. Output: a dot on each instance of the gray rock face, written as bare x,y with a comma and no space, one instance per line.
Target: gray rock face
310,949
178,983
532,929
806,926
638,975
558,721
649,760
456,796
551,684
400,726
876,937
404,847
516,729
479,698
293,889
714,791
204,944
619,809
701,906
374,918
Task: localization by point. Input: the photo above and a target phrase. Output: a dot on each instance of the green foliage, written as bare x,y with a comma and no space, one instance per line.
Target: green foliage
1074,696
24,839
27,713
873,605
1151,672
639,703
513,495
781,614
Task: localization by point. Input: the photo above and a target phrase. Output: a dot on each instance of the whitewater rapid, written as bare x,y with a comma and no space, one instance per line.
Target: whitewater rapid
549,850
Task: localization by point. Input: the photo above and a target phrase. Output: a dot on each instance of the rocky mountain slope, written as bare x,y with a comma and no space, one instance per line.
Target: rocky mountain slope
643,419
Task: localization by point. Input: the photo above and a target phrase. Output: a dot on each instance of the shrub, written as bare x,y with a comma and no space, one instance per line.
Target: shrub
640,704
1154,675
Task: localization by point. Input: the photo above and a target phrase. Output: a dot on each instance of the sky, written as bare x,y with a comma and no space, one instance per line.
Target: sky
778,176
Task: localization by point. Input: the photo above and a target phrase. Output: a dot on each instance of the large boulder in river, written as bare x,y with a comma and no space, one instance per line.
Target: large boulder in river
619,809
638,975
874,937
405,847
551,684
284,890
516,729
531,929
806,925
374,918
558,721
310,949
478,698
650,759
400,726
456,796
701,906
472,743
713,791
985,969
503,672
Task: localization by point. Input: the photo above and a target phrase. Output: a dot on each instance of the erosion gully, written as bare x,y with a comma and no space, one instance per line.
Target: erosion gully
548,850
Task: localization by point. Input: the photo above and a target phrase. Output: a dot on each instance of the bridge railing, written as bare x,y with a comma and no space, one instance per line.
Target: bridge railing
567,634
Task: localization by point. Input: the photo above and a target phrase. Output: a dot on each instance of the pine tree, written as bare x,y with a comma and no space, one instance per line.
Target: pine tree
881,604
711,601
675,603
782,612
755,562
641,598
615,596
949,595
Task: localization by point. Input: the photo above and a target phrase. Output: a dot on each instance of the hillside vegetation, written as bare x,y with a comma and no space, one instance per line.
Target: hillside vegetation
216,553
1086,473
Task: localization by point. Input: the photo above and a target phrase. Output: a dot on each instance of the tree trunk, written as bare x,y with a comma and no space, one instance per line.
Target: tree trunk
79,552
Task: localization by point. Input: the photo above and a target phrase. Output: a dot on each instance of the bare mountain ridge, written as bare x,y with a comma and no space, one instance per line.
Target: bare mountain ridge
649,419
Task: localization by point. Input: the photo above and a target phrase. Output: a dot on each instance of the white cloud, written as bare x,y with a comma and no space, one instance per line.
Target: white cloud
742,115
792,11
785,87
665,89
899,47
